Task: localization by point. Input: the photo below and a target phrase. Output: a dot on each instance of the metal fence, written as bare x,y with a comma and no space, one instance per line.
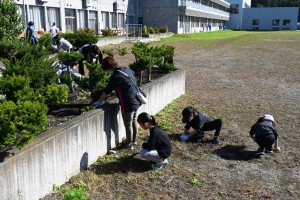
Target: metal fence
134,30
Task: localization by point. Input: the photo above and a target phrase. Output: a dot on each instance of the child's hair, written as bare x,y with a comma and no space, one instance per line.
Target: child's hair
145,117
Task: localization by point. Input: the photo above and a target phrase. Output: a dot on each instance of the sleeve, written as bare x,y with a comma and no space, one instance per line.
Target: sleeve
110,86
151,142
252,130
187,126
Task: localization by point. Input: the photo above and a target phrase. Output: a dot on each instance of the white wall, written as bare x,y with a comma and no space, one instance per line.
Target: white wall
58,154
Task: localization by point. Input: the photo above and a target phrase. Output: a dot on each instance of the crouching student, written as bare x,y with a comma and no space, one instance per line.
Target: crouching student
264,133
199,122
158,147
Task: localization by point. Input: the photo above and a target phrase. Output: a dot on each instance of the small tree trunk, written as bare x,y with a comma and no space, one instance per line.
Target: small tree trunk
149,73
141,77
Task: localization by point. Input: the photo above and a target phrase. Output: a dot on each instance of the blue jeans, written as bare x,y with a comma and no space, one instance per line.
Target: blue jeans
151,155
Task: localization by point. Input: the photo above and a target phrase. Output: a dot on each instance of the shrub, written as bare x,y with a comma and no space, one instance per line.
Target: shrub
9,48
98,79
21,122
163,29
145,30
151,30
108,32
17,88
81,37
56,94
69,58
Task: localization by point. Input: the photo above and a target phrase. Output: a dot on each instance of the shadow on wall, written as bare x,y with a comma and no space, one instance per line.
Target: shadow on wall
111,125
84,161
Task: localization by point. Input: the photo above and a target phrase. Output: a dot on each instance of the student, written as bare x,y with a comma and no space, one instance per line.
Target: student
158,147
199,122
53,31
126,93
30,33
264,133
62,43
90,52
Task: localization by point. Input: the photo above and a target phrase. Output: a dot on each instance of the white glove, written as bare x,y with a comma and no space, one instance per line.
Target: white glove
97,103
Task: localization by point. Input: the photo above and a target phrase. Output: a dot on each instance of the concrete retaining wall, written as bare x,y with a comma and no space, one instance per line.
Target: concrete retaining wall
60,153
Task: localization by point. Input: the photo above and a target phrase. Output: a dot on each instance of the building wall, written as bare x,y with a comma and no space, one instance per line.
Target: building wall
45,13
266,17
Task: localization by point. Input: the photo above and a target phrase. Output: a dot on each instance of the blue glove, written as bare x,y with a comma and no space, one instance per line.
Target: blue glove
97,103
184,137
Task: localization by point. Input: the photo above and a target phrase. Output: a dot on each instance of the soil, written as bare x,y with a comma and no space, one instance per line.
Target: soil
237,81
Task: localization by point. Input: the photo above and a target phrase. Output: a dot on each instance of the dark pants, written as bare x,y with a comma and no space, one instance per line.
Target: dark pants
131,126
213,125
81,67
265,141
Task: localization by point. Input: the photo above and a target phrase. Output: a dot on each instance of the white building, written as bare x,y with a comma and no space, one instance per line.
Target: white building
75,14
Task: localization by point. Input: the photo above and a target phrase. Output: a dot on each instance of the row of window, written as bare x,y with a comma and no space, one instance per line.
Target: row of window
275,22
197,22
86,19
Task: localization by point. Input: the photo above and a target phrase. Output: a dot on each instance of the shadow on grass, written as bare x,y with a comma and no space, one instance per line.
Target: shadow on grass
236,152
135,165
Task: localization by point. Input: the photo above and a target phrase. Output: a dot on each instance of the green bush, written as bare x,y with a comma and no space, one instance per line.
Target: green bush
98,79
36,66
17,88
9,48
81,37
108,32
163,29
145,30
21,122
69,58
56,94
151,30
76,192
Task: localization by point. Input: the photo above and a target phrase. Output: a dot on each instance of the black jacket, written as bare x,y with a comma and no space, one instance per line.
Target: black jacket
198,121
263,129
159,141
124,88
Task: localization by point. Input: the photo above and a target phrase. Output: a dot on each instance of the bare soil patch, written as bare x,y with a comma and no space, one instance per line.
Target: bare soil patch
236,81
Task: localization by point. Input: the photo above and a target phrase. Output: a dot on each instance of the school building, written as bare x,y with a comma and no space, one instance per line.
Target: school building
181,16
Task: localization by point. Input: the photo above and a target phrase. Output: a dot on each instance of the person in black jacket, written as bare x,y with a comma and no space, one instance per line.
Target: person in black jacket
126,93
158,146
200,122
264,133
90,52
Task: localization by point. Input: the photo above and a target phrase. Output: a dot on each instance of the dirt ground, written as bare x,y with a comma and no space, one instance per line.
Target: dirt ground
236,79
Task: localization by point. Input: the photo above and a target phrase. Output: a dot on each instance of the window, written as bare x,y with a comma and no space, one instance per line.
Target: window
286,22
93,20
82,19
255,22
105,19
114,20
180,21
53,16
234,9
70,20
120,20
36,14
275,22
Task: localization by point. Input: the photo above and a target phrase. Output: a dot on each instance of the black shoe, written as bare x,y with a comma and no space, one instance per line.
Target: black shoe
260,151
216,140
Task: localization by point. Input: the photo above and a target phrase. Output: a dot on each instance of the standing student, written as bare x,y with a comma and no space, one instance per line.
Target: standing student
158,147
199,122
90,52
126,92
30,33
53,31
264,133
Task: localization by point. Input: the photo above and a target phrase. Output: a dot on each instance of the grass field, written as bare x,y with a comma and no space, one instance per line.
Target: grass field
234,75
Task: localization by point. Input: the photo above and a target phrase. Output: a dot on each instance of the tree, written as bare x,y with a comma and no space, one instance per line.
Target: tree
11,22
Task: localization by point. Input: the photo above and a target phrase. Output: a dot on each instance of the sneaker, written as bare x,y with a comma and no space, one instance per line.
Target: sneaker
268,151
159,165
129,146
184,137
216,140
133,143
260,151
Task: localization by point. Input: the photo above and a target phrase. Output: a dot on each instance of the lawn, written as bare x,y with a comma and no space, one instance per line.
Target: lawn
233,75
